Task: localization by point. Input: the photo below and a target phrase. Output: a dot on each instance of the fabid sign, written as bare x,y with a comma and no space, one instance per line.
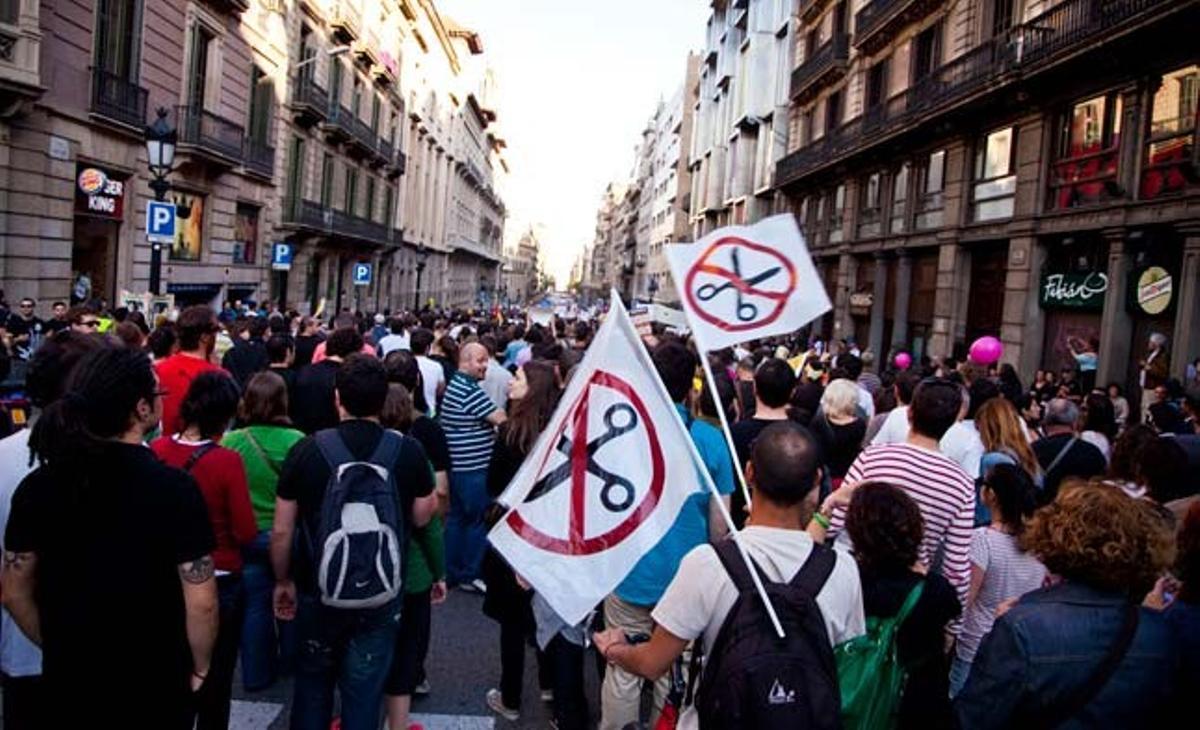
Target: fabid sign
98,194
1079,290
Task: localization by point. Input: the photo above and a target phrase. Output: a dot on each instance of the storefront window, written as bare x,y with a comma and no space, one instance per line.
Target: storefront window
1087,154
245,234
870,207
932,186
995,183
837,213
189,233
1169,154
899,198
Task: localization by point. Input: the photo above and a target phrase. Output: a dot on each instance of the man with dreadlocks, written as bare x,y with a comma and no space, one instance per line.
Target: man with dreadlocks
119,548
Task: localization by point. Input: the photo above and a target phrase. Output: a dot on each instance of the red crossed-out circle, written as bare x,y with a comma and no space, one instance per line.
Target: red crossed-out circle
705,265
576,543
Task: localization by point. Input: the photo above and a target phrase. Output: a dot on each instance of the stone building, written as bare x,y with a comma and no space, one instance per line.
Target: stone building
1026,170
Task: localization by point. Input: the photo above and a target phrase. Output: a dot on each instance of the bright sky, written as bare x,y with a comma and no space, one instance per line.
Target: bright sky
577,81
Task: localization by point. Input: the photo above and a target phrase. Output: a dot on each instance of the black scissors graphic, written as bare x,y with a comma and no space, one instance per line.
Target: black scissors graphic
746,311
562,473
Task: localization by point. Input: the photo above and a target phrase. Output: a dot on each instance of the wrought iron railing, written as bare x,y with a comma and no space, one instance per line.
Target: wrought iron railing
258,156
831,54
311,96
116,97
210,132
312,215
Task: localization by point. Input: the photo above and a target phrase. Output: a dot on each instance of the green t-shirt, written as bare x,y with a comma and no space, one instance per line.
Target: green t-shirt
274,442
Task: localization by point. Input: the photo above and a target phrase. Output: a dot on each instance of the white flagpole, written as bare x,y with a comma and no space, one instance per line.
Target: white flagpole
703,470
725,430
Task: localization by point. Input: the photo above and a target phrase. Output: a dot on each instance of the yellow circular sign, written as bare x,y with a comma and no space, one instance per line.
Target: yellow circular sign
1154,290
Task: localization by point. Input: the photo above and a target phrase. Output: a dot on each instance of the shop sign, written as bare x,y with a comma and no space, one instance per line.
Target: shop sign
1081,290
1153,290
860,302
97,193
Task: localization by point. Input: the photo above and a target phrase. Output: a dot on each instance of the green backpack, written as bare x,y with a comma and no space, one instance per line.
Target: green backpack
869,672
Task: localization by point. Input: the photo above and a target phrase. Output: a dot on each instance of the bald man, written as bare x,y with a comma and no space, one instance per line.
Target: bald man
469,418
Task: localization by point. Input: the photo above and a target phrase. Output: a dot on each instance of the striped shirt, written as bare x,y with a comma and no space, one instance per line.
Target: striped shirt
1007,573
463,415
943,492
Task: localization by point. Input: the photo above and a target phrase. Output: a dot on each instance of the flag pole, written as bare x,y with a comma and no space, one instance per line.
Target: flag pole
725,430
704,475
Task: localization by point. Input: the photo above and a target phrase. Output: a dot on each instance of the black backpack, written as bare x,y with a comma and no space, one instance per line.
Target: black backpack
754,679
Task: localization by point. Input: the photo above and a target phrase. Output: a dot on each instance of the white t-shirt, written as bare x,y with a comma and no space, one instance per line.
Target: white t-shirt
702,593
391,342
962,444
495,383
433,377
19,657
1007,573
894,429
1100,441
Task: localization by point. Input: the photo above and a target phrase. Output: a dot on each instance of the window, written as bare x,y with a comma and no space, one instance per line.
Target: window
295,180
118,38
10,11
351,190
262,94
833,112
869,206
389,206
807,130
308,51
1085,168
189,233
1170,152
375,114
1002,16
899,198
926,52
930,188
202,57
995,183
369,212
327,171
335,82
877,84
837,210
356,97
245,233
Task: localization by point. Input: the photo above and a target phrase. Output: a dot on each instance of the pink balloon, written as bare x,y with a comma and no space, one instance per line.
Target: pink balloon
986,350
903,360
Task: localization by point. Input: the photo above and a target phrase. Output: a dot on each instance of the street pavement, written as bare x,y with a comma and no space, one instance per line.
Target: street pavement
464,662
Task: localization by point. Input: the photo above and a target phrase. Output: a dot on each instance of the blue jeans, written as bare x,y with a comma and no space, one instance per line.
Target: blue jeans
264,642
959,671
351,650
466,532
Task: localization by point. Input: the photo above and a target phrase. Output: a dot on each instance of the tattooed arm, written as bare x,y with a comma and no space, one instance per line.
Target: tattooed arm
200,603
18,582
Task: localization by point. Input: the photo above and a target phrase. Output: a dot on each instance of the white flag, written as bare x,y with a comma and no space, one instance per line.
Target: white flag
605,480
745,282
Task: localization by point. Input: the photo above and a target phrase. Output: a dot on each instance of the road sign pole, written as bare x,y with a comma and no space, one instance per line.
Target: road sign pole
707,478
155,268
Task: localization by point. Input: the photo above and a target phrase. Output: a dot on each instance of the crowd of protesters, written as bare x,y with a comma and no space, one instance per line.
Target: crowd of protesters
1036,541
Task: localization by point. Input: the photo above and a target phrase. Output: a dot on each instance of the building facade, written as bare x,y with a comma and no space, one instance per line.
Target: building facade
356,134
1025,170
741,111
523,274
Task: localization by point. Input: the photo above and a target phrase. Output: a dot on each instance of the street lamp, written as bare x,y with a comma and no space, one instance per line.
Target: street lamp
422,255
331,52
161,139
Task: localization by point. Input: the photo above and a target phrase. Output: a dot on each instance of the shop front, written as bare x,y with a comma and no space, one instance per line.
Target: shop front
1151,295
99,213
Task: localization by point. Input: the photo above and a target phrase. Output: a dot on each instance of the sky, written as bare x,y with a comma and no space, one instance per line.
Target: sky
577,82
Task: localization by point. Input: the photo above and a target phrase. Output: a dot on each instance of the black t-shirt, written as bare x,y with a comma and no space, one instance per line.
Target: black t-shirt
18,325
306,345
305,474
109,595
433,439
840,443
289,378
54,326
312,397
744,432
245,359
1083,460
920,642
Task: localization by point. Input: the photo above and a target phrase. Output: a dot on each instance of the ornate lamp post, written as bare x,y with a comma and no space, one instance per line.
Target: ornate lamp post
161,139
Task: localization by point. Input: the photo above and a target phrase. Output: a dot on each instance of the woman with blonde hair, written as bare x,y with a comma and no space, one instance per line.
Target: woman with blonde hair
1004,442
839,428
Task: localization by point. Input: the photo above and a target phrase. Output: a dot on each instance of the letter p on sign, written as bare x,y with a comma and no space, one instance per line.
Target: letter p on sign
160,221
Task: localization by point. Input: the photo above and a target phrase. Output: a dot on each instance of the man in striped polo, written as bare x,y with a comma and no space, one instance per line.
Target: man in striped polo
469,419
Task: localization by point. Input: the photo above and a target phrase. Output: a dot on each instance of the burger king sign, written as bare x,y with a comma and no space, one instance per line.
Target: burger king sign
98,194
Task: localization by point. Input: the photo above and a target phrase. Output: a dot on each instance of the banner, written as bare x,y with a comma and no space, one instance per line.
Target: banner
541,315
605,480
746,282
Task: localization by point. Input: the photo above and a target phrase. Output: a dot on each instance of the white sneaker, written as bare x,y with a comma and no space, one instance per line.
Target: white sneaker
479,585
495,703
547,695
422,689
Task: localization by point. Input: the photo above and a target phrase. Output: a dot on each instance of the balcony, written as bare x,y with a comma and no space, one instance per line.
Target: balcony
345,20
258,157
315,218
825,66
363,140
1026,50
336,125
384,152
118,99
309,102
810,10
20,53
209,135
879,20
398,164
236,7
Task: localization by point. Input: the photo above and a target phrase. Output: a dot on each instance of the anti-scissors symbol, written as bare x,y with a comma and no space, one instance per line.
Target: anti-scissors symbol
563,472
746,311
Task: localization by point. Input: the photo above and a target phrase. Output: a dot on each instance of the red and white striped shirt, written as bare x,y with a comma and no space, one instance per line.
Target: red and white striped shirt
942,490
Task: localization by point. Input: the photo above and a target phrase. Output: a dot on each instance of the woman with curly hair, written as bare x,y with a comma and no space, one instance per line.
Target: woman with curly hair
1083,651
885,526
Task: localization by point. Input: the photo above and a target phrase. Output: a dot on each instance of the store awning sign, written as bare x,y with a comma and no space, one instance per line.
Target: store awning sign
1074,290
98,194
1154,290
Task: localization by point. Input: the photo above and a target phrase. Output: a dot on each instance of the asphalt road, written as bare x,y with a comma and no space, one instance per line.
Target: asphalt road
464,662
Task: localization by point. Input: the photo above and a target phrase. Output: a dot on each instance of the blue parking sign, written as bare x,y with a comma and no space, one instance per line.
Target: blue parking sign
362,274
160,221
281,256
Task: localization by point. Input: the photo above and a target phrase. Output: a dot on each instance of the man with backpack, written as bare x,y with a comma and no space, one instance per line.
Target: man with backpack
751,677
348,498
